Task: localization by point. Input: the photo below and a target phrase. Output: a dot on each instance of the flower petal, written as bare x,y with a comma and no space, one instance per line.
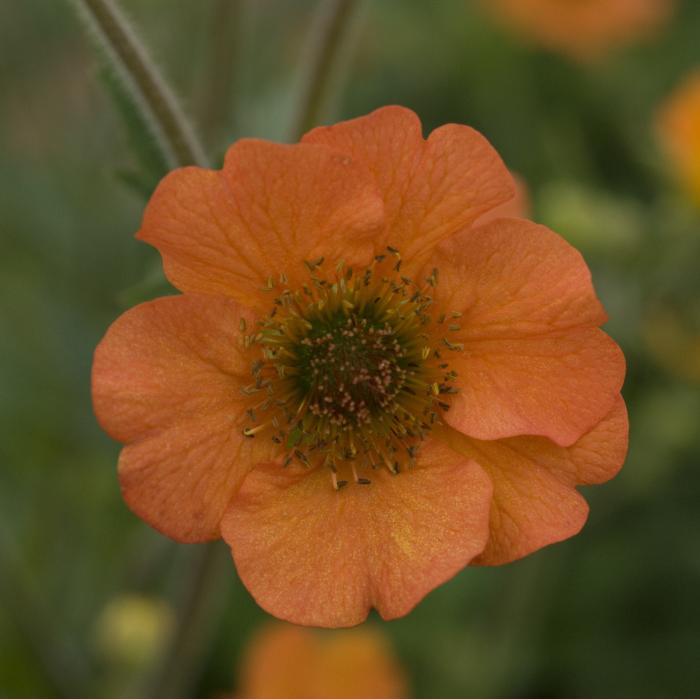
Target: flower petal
316,556
534,361
166,381
513,278
593,459
557,386
534,501
271,207
517,207
432,187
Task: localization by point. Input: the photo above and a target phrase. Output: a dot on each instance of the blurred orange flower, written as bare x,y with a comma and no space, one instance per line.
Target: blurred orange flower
679,130
581,29
361,391
289,662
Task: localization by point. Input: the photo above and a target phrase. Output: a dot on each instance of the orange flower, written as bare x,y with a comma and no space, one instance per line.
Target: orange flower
679,130
582,29
288,662
518,206
358,389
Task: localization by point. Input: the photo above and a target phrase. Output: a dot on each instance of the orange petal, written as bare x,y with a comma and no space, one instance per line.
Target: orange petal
316,556
556,386
271,207
166,381
534,501
533,360
593,459
513,278
432,187
517,207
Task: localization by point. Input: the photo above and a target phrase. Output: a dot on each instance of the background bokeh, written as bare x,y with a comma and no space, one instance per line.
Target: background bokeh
89,592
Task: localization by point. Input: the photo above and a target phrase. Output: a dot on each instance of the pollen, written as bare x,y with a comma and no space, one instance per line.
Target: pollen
351,373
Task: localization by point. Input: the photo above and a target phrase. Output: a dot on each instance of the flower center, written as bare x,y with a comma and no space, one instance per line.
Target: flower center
351,369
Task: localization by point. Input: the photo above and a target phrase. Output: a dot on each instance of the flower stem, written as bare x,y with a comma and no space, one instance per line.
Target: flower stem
218,106
201,603
328,35
151,94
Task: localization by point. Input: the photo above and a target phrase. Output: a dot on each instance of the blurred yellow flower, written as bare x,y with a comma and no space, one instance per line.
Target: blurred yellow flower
291,662
131,629
679,129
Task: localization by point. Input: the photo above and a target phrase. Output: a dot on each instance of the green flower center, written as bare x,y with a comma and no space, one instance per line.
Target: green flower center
353,366
353,377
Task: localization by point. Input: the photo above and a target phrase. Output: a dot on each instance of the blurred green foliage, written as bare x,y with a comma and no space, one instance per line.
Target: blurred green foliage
615,612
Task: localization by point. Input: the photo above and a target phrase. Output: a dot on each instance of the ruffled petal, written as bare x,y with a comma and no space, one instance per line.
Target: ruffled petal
557,386
595,458
431,188
167,381
234,231
534,500
534,361
316,556
517,207
514,278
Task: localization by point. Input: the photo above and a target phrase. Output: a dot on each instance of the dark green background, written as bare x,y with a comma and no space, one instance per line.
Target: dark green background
612,613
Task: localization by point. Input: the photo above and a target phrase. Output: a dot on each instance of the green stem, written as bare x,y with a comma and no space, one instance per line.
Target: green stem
198,611
220,78
200,607
328,35
151,93
153,98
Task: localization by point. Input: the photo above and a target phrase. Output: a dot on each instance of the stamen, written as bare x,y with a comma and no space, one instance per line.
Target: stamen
350,368
252,431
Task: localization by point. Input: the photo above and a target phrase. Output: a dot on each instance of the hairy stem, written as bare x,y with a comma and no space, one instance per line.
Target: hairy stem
220,78
327,38
151,93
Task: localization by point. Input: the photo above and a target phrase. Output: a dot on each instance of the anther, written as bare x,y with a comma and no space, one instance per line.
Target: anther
454,346
252,431
312,265
348,368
